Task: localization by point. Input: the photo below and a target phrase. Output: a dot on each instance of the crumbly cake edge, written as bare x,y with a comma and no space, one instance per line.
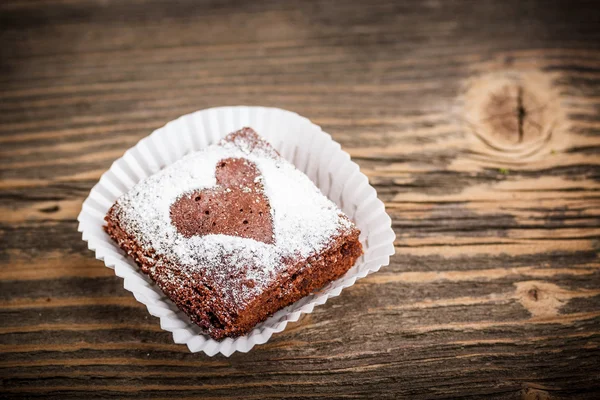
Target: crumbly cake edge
215,318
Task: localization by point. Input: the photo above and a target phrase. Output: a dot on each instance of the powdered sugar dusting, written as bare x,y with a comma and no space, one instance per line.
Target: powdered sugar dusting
303,219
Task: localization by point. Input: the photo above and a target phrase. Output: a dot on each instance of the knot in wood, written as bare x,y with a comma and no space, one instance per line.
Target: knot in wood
541,299
535,394
512,112
533,294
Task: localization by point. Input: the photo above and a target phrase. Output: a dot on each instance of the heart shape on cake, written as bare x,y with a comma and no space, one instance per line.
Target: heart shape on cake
237,206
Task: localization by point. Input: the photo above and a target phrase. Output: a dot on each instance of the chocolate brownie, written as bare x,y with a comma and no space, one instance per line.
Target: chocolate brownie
233,233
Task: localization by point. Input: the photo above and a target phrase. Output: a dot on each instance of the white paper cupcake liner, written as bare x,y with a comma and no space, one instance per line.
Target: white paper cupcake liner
298,140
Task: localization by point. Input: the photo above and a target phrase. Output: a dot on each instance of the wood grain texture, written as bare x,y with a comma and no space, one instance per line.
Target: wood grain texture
477,122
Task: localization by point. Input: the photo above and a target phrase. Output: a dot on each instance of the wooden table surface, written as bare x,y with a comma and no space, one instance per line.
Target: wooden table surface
478,122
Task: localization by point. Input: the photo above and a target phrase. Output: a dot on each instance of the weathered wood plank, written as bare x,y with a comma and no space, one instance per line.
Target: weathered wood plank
477,122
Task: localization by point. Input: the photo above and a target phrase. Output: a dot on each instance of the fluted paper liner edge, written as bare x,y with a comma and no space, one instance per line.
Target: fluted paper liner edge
299,141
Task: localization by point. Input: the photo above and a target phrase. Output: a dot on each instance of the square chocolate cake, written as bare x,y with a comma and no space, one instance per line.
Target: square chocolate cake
233,233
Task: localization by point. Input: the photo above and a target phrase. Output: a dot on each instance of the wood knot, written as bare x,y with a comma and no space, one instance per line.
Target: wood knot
535,394
533,294
513,113
542,299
